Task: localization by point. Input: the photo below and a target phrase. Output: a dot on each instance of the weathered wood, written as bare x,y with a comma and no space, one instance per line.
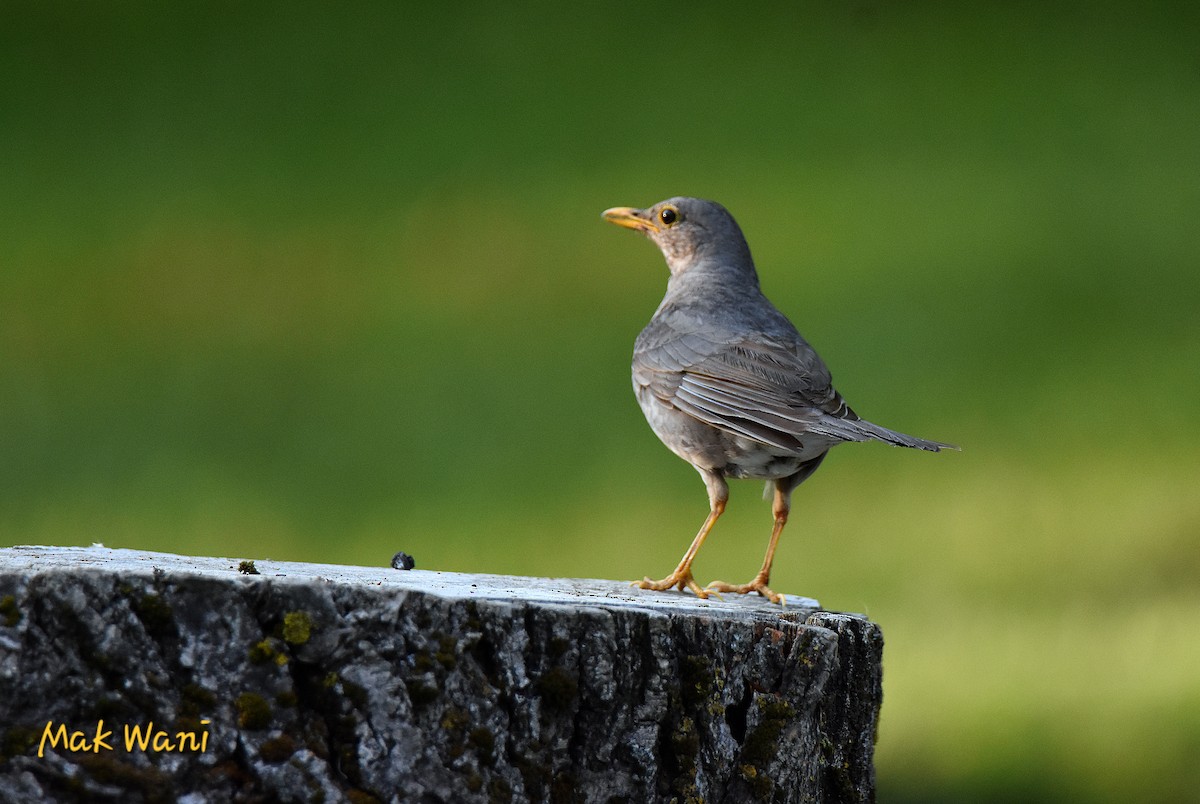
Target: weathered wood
308,682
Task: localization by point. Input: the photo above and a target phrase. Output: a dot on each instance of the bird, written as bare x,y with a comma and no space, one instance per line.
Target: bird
726,381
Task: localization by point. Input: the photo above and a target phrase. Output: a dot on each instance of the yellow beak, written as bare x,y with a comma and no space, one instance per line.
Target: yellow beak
631,218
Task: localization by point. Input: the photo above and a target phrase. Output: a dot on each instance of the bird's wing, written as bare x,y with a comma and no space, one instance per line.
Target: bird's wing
775,391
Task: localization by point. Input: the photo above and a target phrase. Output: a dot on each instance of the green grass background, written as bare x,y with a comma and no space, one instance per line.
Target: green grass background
322,282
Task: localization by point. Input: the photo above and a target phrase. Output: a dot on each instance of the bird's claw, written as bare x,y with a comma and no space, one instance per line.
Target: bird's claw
759,584
676,580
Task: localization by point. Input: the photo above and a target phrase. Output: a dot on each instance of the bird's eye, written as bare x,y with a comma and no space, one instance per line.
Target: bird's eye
668,215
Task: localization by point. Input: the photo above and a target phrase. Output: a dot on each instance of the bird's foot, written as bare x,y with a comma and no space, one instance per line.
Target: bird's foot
759,584
676,580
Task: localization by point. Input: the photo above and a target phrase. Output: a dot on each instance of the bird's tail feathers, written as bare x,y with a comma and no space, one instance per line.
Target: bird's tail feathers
862,430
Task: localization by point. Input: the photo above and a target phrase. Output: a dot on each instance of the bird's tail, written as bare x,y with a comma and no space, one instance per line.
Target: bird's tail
863,430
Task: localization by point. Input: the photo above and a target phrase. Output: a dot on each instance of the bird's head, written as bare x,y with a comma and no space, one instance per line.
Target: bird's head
687,230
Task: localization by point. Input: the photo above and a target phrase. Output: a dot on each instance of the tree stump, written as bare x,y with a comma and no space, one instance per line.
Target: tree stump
128,675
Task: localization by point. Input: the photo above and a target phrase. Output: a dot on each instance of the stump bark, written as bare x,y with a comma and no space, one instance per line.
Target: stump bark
309,682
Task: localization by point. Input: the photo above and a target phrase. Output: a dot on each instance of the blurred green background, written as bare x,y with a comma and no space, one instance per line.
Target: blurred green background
322,282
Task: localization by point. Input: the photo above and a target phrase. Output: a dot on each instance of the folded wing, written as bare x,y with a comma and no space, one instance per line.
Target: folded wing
773,391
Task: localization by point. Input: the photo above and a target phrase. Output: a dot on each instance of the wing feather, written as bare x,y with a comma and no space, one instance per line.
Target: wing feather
775,391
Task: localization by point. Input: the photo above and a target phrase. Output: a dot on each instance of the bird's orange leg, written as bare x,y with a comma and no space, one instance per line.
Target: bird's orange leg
681,578
780,507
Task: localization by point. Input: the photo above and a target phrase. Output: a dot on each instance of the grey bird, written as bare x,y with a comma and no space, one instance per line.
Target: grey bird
725,380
